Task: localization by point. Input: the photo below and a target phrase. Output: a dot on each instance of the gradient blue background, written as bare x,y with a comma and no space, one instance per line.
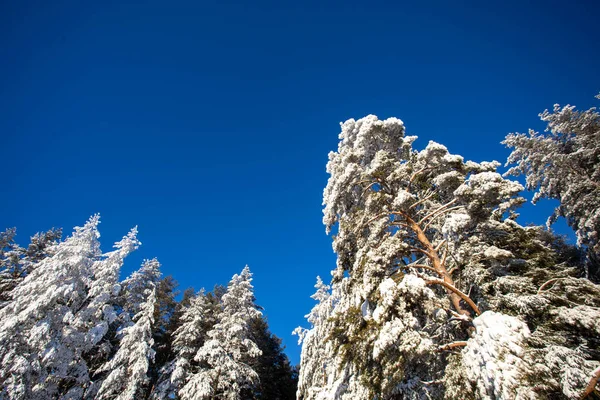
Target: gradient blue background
208,123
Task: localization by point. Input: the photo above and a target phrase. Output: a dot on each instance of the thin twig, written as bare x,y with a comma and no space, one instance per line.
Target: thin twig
437,210
416,249
440,213
422,266
433,193
367,188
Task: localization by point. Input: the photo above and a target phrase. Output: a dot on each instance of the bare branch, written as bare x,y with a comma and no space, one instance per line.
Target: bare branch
592,384
422,266
380,215
547,283
440,208
368,187
452,345
453,289
412,178
402,224
445,256
418,250
440,213
461,317
423,200
439,246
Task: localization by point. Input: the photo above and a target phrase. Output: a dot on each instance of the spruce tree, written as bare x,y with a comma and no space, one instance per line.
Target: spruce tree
224,357
128,370
563,163
60,311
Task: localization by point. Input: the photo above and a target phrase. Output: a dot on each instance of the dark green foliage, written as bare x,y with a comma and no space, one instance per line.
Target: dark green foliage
164,310
278,379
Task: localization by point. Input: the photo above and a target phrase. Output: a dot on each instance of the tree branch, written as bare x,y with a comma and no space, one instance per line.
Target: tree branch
368,187
547,283
423,200
592,384
422,266
452,345
440,208
440,268
380,215
439,213
453,289
402,224
418,250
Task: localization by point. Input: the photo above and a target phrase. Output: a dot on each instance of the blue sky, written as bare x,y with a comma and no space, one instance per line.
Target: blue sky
208,123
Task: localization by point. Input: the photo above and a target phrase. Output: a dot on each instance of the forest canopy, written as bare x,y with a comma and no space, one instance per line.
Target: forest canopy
438,292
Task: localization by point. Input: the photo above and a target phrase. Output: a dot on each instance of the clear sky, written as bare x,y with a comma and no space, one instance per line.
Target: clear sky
208,123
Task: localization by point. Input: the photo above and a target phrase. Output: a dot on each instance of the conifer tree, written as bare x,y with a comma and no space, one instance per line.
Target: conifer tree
135,287
225,355
17,262
128,370
59,313
197,320
276,377
431,265
163,387
316,349
563,163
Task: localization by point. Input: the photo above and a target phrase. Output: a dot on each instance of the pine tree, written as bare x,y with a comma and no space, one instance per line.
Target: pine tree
317,352
59,313
10,271
166,306
197,320
163,387
398,213
563,163
127,371
17,262
225,355
276,377
135,287
435,278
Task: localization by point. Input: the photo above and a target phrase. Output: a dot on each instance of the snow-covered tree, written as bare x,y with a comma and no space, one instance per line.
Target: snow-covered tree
17,262
163,387
196,321
133,295
427,251
135,287
10,271
224,356
127,371
398,213
128,299
563,163
60,311
316,359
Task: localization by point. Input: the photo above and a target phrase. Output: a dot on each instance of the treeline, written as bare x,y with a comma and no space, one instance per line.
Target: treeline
439,293
69,329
